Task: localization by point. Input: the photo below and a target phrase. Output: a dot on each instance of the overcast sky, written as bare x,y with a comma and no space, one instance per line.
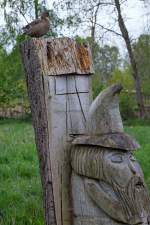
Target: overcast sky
135,17
134,13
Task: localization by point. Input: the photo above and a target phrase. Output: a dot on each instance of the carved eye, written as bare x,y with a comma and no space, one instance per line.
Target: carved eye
132,158
117,158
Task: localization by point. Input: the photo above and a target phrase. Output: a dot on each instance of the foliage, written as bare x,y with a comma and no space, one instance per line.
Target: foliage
123,77
56,24
12,83
16,13
106,61
128,104
97,86
141,134
142,55
84,14
89,12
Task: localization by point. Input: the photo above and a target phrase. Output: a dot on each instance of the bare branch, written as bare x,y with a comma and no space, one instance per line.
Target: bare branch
100,4
20,11
109,30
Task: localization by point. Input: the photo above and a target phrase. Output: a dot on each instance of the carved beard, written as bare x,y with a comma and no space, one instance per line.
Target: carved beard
134,200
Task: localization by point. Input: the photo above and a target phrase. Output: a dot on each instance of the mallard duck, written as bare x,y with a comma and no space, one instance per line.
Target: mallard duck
38,27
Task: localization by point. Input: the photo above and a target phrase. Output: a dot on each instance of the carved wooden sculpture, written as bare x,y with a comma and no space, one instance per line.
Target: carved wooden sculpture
107,182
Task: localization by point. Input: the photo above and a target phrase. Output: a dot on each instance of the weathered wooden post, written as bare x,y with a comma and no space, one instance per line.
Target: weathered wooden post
57,74
88,171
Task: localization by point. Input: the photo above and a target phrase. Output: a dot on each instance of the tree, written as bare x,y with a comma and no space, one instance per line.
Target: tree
141,50
12,84
86,13
106,60
135,71
17,13
89,13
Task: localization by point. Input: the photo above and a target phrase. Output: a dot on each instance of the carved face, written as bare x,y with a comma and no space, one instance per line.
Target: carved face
124,174
117,178
120,167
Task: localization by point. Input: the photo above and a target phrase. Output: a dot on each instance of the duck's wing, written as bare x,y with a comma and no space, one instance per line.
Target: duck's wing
39,29
33,23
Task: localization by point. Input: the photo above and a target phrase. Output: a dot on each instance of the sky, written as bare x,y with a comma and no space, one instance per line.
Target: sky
134,13
136,20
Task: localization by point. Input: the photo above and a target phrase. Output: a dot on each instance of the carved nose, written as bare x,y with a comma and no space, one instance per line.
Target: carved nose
132,167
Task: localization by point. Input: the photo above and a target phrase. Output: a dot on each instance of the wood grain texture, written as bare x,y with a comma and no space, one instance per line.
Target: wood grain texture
57,72
86,212
108,187
112,140
67,57
104,115
67,115
61,56
36,92
107,182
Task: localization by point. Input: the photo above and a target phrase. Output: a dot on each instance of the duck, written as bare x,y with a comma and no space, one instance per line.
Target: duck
38,27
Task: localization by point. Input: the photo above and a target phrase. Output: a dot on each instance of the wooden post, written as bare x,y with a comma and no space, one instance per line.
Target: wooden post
58,81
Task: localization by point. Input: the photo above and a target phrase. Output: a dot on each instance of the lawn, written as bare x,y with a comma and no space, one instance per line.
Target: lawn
142,135
20,187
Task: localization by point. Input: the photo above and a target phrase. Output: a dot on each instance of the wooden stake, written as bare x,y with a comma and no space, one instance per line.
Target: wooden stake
58,81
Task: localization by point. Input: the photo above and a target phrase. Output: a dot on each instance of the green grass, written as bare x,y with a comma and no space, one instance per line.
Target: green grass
142,135
20,186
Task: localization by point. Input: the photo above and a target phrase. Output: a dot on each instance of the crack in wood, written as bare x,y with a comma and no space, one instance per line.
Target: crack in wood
80,101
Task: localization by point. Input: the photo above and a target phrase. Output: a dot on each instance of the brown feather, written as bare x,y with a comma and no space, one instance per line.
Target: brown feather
38,27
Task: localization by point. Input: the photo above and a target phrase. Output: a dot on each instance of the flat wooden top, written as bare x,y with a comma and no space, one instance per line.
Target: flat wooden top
61,56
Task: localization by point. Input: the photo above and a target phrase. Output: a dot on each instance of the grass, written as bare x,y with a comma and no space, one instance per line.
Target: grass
20,187
142,135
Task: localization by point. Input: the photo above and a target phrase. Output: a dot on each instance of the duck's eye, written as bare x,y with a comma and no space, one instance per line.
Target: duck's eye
117,158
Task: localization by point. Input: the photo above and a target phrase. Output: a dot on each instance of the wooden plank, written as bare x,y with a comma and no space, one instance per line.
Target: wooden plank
65,118
72,84
77,112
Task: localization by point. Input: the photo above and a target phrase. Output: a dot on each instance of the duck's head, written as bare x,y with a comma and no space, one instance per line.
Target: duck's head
44,14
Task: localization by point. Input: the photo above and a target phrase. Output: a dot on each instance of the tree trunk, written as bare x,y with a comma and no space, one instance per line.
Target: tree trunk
92,39
135,72
57,74
93,27
39,117
36,5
